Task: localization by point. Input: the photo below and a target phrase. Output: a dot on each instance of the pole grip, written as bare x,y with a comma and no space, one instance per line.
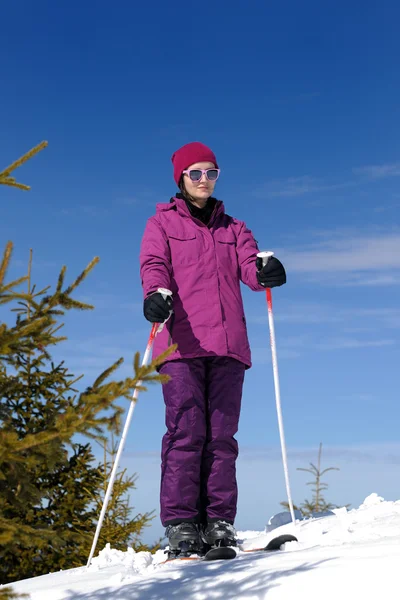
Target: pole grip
263,258
164,293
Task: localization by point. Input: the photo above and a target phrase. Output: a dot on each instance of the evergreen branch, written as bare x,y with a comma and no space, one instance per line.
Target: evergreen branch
7,593
329,469
13,284
7,528
5,178
55,329
61,278
69,303
29,328
40,293
5,261
15,296
10,182
10,343
55,312
105,374
82,276
161,357
28,299
66,388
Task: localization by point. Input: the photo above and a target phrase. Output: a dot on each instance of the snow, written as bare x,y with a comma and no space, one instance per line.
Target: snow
352,555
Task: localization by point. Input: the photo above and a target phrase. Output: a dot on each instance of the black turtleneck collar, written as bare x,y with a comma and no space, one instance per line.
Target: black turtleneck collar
203,214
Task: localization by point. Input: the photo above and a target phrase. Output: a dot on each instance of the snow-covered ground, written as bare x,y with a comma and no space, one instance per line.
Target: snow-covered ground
354,555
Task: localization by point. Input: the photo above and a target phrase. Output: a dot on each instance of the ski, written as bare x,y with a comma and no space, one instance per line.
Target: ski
275,544
229,552
220,553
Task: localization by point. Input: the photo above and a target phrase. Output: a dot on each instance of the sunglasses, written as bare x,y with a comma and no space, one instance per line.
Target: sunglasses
197,174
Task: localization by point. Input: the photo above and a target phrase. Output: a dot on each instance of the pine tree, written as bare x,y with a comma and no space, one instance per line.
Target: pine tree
6,179
48,483
318,502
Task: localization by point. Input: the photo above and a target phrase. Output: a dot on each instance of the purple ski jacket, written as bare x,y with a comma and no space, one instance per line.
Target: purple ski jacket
202,265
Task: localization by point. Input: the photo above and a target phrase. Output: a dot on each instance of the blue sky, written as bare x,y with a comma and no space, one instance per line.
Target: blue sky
301,104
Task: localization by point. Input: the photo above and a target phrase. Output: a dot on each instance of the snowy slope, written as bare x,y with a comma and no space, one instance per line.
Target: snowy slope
353,555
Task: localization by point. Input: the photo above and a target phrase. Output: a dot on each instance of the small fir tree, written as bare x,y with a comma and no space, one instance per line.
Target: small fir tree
318,502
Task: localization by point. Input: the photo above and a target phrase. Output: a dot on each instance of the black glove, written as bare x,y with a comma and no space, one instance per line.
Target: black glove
272,274
156,309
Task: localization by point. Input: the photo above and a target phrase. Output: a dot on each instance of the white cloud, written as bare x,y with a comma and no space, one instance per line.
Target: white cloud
110,301
262,356
285,351
379,171
386,317
385,207
300,312
299,186
307,184
342,329
388,453
339,343
347,253
386,279
313,313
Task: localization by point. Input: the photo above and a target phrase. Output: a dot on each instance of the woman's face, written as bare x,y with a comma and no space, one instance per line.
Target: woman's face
203,189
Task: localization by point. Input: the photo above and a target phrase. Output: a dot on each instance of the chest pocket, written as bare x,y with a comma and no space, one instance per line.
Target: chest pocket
184,247
225,246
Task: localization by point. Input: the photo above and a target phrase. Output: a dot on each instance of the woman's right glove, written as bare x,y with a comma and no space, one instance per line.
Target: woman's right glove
156,309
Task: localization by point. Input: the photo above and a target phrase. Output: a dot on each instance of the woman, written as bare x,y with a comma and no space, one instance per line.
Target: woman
192,247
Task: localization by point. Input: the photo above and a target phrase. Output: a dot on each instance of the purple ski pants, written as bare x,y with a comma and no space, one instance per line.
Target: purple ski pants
199,451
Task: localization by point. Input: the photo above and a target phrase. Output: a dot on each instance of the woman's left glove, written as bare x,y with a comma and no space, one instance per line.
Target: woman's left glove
272,274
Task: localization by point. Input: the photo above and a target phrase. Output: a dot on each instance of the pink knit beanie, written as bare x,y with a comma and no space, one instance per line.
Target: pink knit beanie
190,154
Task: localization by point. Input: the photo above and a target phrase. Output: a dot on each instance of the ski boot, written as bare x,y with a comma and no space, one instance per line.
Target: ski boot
183,540
219,534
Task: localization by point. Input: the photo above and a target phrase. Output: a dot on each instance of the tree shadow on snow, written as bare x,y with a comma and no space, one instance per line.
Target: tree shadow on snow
201,581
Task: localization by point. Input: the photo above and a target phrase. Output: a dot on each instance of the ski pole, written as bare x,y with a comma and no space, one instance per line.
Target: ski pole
156,328
262,259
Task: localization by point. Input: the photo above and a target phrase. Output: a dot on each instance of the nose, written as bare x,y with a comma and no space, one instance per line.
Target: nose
203,178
